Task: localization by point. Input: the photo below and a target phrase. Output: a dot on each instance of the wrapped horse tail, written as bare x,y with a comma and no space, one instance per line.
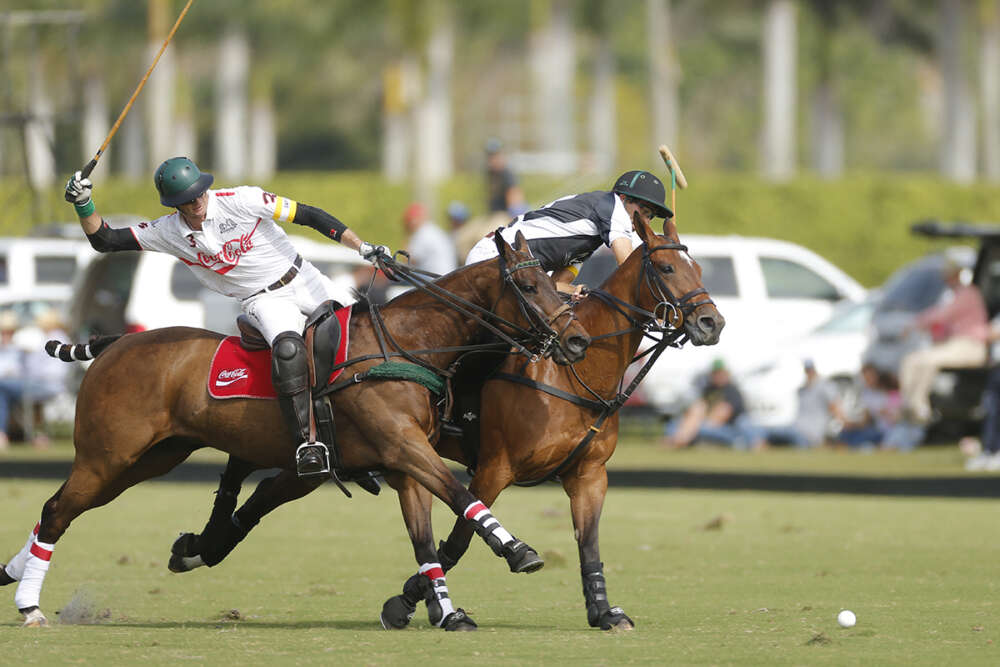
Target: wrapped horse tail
80,351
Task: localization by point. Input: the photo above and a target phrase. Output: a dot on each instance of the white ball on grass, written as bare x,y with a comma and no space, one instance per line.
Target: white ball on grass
846,618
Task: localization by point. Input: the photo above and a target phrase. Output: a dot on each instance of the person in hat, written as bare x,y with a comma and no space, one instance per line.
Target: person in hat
429,247
718,415
503,194
231,241
565,232
45,377
960,330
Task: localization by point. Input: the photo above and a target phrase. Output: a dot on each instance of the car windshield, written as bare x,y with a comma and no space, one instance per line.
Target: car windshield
848,317
914,288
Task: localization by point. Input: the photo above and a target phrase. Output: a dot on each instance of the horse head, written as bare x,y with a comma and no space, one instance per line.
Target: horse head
529,297
670,285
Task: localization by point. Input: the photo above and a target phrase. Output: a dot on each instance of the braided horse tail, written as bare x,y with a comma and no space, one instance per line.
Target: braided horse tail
80,351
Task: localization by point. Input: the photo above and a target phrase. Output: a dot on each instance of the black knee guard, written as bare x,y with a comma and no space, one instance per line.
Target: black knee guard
290,375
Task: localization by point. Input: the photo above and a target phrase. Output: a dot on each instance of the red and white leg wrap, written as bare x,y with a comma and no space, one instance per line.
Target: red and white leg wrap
15,568
489,525
435,573
29,589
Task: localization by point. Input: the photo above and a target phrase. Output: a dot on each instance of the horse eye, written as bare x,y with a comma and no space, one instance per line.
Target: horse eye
529,289
666,268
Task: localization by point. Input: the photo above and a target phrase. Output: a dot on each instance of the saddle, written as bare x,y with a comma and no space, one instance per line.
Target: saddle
322,334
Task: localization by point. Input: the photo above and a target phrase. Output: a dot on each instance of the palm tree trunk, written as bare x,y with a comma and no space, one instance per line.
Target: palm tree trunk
958,150
39,130
434,120
663,74
603,111
231,103
95,123
160,86
780,54
989,73
553,68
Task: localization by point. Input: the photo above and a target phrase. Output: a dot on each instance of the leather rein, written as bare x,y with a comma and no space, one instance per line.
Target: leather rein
648,323
539,335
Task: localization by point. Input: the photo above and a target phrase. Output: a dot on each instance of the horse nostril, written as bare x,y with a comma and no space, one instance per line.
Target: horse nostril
706,323
578,344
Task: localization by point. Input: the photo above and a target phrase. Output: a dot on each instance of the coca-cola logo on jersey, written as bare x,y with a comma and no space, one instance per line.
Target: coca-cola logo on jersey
231,251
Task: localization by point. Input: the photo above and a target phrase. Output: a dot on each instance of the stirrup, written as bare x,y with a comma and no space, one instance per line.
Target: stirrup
312,458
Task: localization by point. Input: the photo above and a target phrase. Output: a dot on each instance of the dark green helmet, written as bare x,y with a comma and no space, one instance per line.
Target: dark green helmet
643,185
178,181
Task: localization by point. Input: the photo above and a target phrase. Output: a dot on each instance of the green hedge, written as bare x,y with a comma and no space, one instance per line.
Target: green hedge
860,222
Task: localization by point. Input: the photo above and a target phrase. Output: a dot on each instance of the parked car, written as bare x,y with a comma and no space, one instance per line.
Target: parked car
956,393
912,288
836,347
40,268
133,291
769,291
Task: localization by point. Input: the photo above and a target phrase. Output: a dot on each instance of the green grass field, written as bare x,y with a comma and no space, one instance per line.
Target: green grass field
921,575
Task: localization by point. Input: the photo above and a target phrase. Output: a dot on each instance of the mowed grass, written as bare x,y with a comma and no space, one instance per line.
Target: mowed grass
764,588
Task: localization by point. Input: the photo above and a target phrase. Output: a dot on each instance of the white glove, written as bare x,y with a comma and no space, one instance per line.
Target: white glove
78,189
371,252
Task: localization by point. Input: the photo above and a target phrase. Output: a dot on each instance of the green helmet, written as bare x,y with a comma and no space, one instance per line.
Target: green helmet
178,181
643,185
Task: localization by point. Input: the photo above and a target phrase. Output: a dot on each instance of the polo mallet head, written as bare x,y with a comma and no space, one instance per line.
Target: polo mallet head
677,179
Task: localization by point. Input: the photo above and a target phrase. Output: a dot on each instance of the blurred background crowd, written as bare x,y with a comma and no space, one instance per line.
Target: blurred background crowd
833,149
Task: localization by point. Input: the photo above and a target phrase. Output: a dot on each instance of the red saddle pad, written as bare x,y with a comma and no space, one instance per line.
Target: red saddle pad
236,372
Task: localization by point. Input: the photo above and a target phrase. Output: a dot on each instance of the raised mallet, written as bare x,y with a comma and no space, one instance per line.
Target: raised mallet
677,179
85,172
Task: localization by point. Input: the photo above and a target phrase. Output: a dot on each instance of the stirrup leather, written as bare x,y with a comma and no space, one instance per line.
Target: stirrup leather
302,450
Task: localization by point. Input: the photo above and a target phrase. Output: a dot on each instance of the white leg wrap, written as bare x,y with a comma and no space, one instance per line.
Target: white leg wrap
435,573
29,589
15,568
479,513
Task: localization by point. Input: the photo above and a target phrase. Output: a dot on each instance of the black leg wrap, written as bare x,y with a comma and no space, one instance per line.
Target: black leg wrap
398,610
223,541
600,614
4,577
447,557
522,558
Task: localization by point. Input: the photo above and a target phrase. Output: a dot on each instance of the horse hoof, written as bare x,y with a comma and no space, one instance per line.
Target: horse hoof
35,619
184,555
522,558
459,621
4,577
616,620
396,613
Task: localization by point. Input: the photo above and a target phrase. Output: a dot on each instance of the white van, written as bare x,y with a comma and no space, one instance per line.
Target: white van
40,268
130,291
771,292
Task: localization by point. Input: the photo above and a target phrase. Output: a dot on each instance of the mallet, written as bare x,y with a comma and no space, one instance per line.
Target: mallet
677,179
85,172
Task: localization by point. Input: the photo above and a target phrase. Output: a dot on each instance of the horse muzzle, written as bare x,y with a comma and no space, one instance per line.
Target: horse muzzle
705,328
571,350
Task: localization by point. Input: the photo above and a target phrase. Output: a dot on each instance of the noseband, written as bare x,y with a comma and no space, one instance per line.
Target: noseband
541,332
670,310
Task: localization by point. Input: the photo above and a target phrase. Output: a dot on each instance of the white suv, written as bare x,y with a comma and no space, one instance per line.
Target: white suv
132,290
771,292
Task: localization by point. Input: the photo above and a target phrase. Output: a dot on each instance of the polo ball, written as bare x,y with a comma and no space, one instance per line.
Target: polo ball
847,619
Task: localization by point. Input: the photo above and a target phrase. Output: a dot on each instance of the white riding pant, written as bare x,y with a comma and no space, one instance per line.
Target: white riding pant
485,248
286,308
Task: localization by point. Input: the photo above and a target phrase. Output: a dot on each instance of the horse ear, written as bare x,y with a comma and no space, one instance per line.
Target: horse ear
521,244
503,248
641,228
669,228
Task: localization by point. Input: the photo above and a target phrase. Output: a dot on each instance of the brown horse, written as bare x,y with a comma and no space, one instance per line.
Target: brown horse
143,407
526,433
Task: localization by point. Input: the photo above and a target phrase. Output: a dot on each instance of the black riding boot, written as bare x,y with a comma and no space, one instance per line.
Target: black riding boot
290,374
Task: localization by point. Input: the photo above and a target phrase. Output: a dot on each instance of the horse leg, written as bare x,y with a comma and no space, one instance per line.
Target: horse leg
219,536
85,489
490,479
227,528
586,489
428,583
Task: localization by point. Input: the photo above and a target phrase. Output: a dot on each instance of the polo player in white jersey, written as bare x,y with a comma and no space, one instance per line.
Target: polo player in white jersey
232,243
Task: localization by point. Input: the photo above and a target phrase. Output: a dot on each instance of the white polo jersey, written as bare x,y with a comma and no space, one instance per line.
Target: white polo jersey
240,249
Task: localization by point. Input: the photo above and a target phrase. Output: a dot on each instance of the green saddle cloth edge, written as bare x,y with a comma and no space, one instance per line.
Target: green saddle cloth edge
402,370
